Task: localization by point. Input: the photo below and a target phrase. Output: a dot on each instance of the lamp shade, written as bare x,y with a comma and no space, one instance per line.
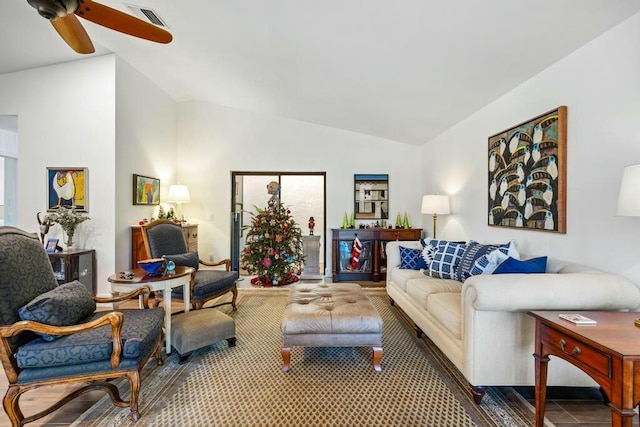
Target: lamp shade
629,196
435,204
178,194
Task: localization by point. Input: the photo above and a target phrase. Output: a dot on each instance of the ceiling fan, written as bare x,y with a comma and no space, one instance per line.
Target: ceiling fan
62,14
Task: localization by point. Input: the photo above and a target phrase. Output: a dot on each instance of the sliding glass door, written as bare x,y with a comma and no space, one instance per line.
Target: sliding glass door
302,192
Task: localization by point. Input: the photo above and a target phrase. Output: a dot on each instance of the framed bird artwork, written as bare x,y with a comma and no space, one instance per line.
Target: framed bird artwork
67,187
527,174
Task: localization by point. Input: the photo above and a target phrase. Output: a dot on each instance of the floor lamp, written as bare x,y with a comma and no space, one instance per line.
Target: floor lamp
629,196
179,194
435,204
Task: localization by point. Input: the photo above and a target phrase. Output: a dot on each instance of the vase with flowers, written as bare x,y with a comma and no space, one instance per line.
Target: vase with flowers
69,219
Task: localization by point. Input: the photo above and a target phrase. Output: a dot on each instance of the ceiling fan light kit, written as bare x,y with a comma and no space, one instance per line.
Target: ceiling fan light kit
62,14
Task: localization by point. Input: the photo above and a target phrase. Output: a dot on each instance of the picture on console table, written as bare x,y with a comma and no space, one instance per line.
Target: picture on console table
527,174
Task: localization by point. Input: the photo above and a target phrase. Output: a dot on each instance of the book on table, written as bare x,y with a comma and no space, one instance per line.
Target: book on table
577,319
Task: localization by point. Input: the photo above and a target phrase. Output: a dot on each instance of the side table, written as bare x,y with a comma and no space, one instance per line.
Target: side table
77,265
608,351
164,283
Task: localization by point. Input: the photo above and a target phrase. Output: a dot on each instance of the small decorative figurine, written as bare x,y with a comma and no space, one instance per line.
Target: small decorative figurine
312,224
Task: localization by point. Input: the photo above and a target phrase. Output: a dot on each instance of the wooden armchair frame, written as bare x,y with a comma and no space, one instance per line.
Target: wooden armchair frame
96,381
226,262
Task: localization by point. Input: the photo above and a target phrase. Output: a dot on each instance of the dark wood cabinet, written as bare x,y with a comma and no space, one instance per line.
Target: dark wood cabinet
371,264
139,252
77,265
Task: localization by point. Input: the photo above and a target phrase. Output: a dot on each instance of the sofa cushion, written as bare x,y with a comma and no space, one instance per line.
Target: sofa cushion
188,259
64,305
411,259
472,252
420,290
400,276
446,259
512,265
446,308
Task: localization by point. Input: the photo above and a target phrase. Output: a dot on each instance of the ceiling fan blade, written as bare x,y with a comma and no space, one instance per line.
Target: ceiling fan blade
72,32
122,22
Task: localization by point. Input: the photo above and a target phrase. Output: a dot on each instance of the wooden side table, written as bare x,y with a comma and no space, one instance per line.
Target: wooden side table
181,277
608,352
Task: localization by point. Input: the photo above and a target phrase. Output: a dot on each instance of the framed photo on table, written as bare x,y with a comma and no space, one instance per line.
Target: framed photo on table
68,188
146,190
51,245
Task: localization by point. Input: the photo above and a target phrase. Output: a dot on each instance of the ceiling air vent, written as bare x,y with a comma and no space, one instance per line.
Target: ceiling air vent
147,14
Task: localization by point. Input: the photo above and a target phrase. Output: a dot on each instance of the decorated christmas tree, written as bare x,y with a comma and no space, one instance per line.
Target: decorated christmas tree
274,246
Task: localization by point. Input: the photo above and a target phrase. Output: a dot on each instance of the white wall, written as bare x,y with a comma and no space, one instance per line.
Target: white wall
66,116
600,85
215,140
146,145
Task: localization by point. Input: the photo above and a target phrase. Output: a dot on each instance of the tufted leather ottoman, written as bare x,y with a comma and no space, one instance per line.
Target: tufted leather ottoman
330,315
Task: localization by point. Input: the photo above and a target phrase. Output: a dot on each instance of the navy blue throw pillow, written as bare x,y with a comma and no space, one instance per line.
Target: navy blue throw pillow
411,259
512,265
64,305
189,259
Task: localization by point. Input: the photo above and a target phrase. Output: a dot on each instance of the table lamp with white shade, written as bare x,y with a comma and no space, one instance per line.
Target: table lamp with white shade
629,195
435,204
179,194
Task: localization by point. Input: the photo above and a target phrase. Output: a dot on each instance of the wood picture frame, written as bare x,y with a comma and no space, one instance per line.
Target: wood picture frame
67,187
51,245
146,190
527,174
371,196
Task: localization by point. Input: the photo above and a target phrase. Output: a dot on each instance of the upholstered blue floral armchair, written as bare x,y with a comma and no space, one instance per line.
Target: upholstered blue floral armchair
51,334
164,239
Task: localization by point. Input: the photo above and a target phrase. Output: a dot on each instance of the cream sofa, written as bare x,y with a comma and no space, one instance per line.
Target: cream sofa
482,325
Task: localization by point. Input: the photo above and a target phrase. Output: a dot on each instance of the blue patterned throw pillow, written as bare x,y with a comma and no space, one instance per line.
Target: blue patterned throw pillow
64,305
411,259
446,259
487,264
472,253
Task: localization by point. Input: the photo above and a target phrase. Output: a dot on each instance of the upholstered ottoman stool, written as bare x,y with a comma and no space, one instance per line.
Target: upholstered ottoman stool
199,328
330,315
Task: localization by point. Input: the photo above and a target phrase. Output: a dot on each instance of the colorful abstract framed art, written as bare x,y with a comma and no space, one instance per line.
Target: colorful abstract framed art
69,188
146,190
527,174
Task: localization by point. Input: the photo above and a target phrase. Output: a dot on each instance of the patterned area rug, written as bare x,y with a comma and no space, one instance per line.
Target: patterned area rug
244,385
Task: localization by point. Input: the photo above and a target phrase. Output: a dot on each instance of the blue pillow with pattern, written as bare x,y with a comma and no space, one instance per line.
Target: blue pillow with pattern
64,305
411,259
446,259
472,253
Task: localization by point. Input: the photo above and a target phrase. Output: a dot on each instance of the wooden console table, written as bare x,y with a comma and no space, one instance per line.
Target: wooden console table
609,352
372,264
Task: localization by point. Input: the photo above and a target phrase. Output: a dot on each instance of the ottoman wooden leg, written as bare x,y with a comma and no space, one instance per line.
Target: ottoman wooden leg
286,358
377,357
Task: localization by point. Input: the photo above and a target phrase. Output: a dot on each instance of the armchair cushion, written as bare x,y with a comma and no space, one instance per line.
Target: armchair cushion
140,332
209,282
64,305
189,259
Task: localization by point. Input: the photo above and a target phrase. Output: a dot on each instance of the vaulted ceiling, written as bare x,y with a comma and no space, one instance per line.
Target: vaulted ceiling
404,70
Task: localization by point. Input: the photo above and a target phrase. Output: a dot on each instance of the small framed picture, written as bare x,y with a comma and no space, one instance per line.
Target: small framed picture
69,188
146,190
51,245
